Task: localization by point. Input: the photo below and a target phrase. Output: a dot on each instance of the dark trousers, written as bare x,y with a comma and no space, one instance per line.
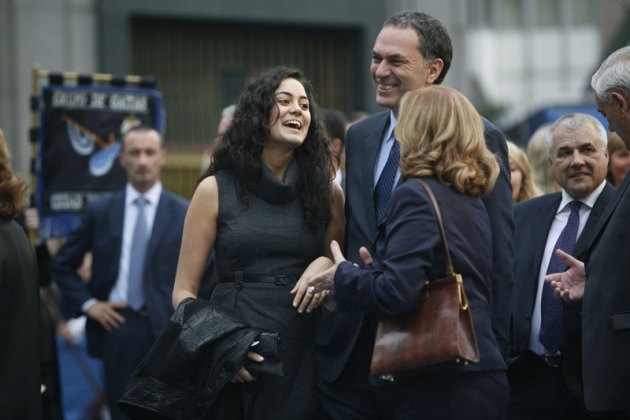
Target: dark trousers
51,397
123,349
539,391
447,395
351,396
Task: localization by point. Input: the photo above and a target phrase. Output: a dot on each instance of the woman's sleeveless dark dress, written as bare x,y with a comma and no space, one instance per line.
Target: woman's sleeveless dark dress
267,236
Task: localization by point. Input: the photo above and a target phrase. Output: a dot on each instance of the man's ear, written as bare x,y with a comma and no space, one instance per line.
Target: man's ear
435,69
621,100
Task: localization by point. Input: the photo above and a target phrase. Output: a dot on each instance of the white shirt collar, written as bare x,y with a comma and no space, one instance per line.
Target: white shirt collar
392,125
588,201
152,195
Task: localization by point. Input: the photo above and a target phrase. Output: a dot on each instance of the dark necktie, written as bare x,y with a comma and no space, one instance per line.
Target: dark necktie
135,295
551,307
385,184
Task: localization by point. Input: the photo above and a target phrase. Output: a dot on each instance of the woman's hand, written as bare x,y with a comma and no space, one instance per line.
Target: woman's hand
243,375
304,301
326,280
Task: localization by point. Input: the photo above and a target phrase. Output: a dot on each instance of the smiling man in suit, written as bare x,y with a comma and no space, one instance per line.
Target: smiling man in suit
134,235
412,50
545,375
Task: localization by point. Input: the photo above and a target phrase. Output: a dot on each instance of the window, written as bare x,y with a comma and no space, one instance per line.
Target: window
510,13
548,13
582,12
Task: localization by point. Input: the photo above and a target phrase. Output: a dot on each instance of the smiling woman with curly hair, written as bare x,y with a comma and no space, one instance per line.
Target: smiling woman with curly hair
268,207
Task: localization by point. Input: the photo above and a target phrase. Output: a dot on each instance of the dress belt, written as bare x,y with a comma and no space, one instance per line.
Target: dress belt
239,277
551,360
143,312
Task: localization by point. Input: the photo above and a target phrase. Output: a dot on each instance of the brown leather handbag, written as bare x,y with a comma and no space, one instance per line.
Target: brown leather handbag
438,334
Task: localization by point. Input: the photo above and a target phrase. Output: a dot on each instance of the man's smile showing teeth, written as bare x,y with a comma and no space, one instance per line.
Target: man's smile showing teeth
295,124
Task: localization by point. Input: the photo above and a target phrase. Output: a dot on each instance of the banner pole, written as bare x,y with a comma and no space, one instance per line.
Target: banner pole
35,76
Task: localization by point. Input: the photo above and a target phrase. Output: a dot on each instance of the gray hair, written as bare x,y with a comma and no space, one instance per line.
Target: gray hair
613,76
574,121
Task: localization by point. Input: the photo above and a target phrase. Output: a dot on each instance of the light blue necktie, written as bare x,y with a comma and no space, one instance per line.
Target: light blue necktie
135,294
385,184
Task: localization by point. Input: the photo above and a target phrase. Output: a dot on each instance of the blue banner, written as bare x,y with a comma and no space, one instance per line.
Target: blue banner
80,137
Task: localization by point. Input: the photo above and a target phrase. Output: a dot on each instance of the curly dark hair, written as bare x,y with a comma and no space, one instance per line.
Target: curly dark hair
240,149
13,195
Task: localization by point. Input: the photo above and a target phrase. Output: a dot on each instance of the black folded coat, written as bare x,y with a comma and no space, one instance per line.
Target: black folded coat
199,351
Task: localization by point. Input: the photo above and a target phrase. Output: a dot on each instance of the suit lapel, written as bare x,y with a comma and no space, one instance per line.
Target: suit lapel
117,216
547,210
116,219
598,208
608,211
372,146
160,224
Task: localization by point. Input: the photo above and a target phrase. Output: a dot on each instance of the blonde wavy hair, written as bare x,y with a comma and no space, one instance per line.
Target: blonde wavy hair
441,135
13,195
538,156
518,157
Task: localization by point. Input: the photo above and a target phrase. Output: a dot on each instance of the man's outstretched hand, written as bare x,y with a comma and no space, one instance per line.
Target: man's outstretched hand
568,285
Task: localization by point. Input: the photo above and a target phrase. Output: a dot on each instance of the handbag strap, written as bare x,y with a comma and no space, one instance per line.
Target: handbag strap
450,271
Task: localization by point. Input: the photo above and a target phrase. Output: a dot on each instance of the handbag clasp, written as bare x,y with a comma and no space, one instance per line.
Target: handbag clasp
463,300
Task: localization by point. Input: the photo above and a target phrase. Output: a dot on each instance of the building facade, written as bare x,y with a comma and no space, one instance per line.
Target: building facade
511,56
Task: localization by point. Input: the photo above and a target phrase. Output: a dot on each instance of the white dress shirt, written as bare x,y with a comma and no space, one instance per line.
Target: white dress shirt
119,291
558,224
386,146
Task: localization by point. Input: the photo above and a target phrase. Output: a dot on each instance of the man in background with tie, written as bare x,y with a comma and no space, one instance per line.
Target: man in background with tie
545,373
135,236
412,50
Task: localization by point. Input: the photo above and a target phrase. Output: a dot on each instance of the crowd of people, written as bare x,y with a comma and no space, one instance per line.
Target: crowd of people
306,227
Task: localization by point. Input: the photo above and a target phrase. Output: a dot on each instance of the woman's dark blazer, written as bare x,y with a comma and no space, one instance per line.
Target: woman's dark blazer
409,250
20,376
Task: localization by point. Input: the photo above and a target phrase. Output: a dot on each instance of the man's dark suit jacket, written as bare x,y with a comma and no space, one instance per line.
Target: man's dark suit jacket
100,231
339,331
532,219
606,309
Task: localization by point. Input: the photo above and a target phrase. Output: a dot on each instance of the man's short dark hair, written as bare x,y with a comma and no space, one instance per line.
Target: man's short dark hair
435,42
142,129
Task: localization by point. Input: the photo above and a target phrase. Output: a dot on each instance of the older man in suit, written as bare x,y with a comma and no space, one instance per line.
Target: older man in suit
412,50
545,377
602,280
134,236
